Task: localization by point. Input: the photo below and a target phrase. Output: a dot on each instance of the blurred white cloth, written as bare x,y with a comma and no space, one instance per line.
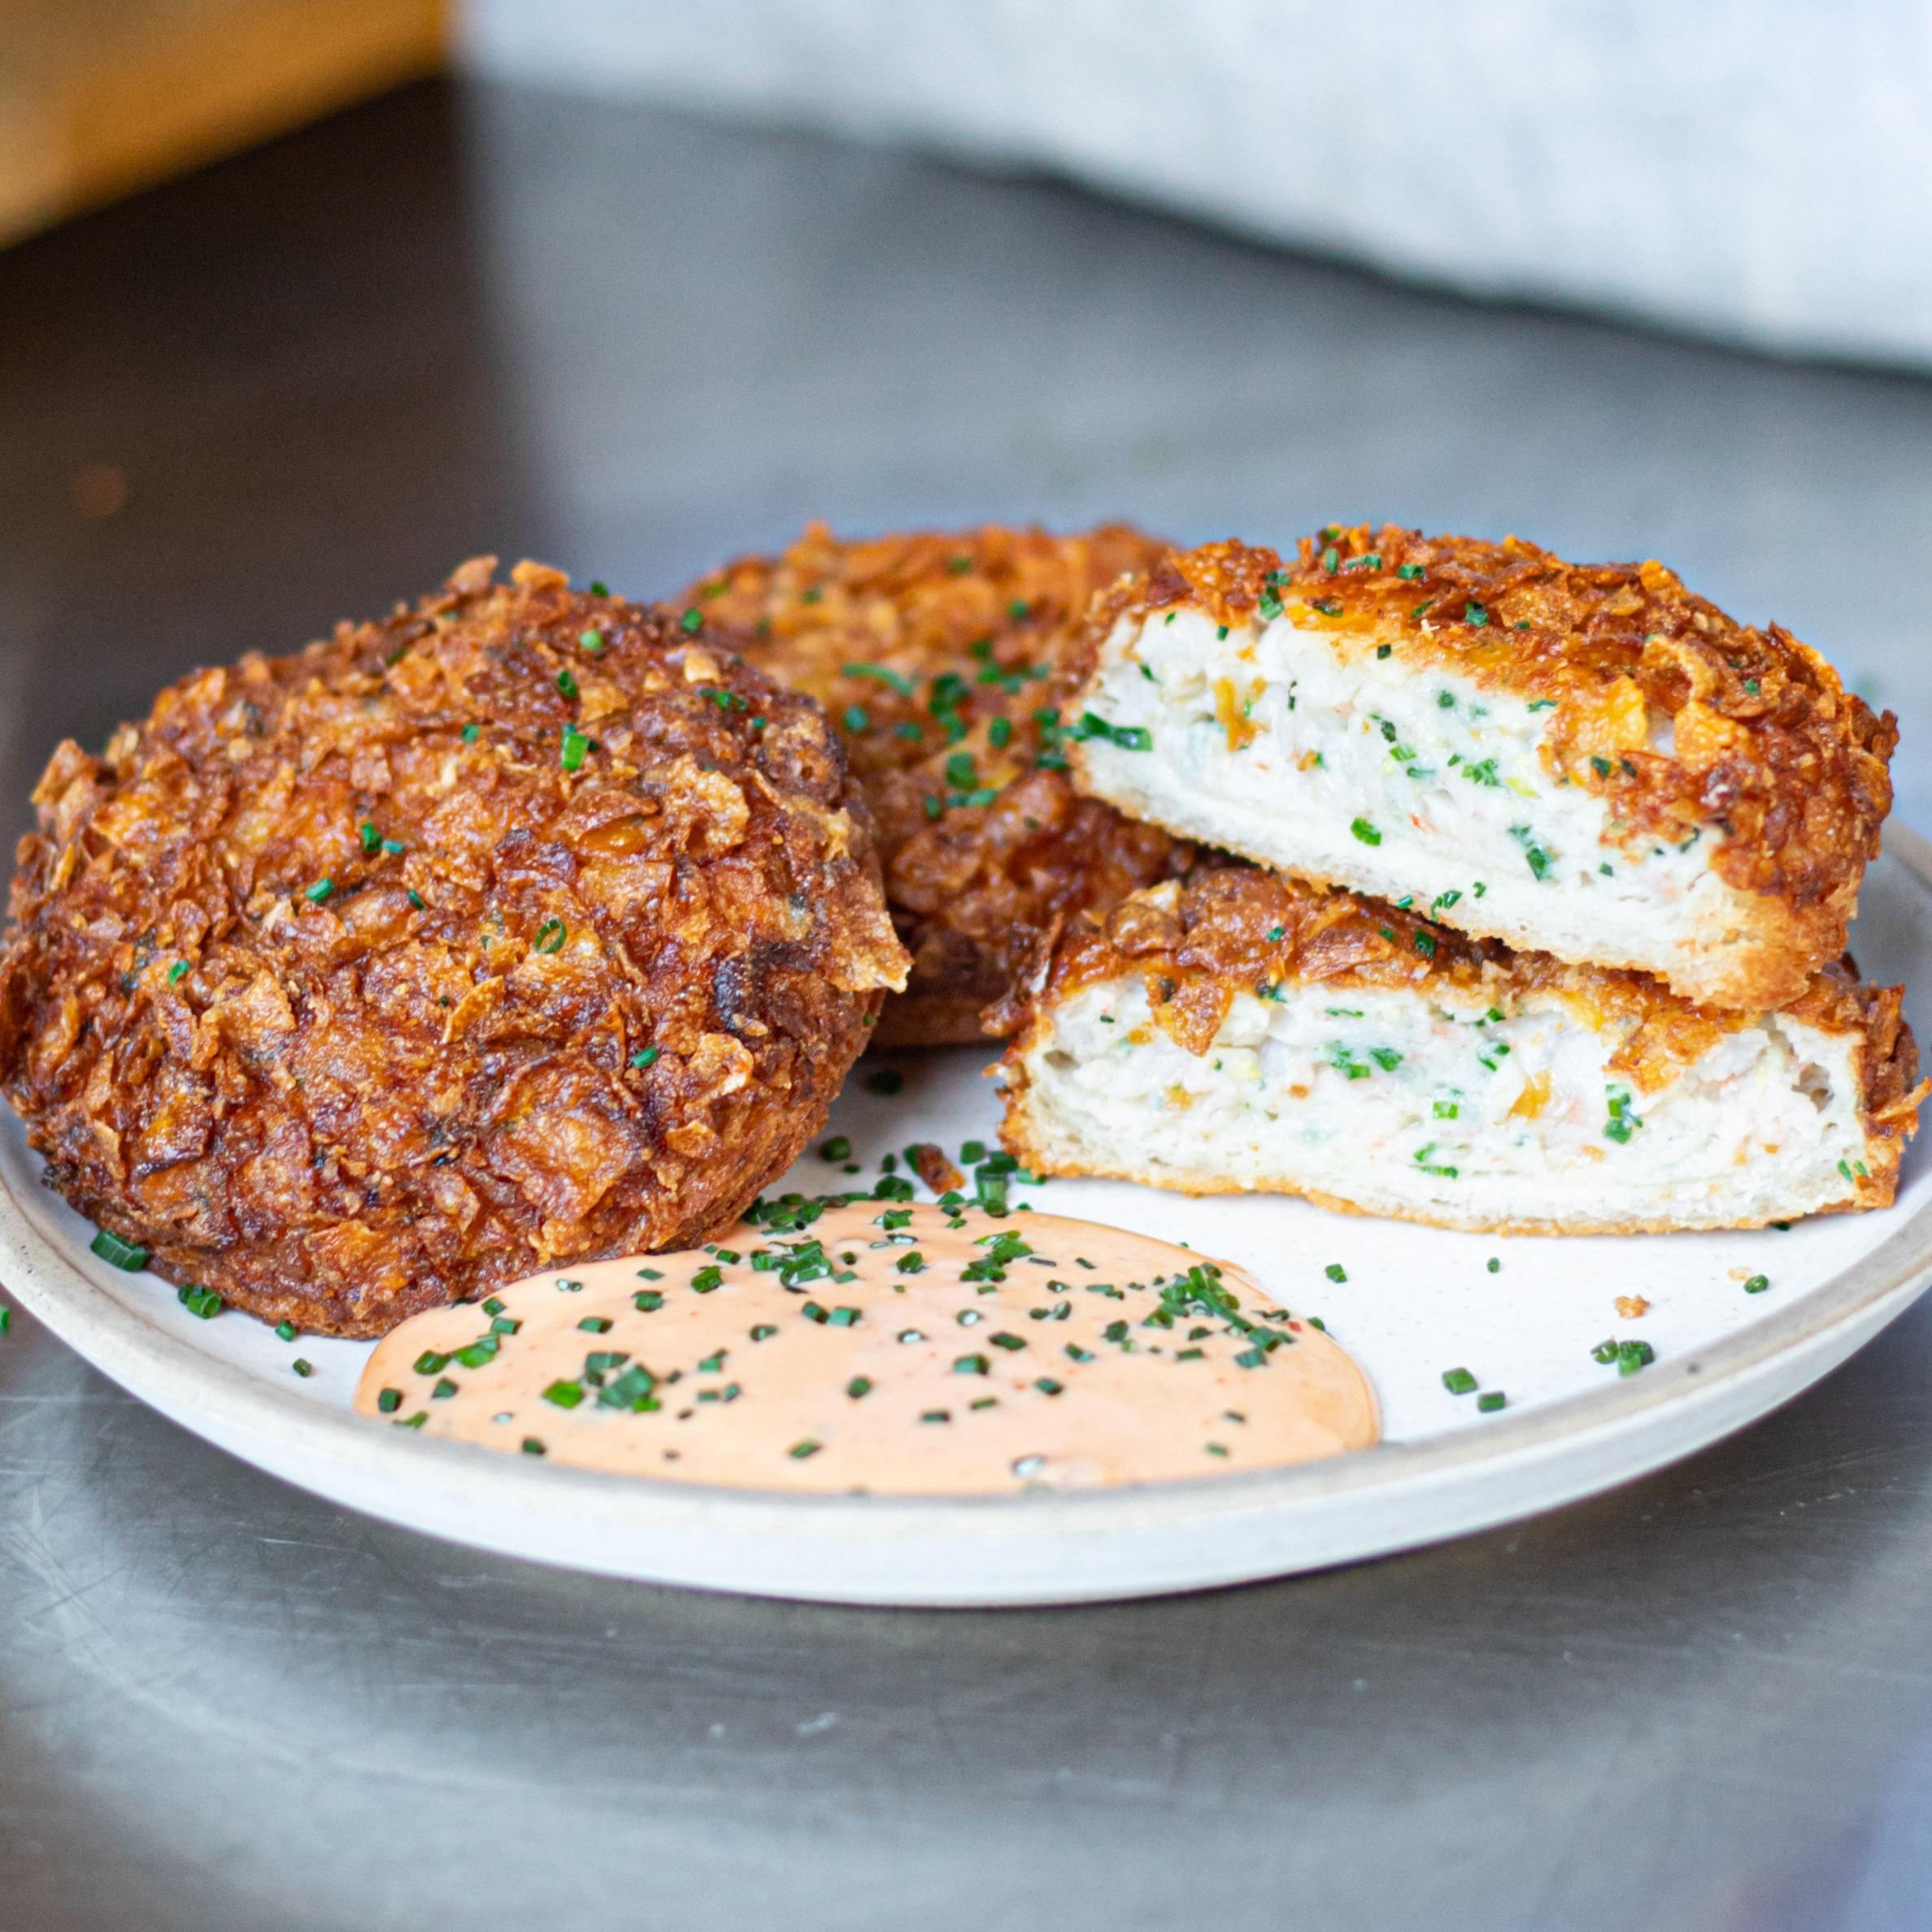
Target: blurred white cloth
1760,171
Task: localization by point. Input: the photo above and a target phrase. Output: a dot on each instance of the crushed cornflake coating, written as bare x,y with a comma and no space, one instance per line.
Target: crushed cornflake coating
522,926
938,655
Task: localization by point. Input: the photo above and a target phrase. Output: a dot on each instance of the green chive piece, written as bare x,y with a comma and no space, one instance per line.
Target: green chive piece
320,890
573,746
1365,832
533,1445
800,1449
472,733
389,1401
1458,1381
284,1331
593,640
202,1303
1757,1284
693,619
117,1253
1491,1401
565,1395
859,1385
646,1057
1336,1272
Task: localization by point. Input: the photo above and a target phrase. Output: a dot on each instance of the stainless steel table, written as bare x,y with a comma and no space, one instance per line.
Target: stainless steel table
633,343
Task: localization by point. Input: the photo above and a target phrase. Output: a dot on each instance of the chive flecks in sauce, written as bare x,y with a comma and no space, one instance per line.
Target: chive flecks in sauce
852,1384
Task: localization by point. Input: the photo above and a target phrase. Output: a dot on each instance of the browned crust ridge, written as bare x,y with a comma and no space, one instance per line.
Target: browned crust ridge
951,722
1768,748
518,928
1229,928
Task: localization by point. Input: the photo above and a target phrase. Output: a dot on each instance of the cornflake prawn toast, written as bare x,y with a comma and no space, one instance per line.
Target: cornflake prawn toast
1582,760
935,654
1243,1032
520,927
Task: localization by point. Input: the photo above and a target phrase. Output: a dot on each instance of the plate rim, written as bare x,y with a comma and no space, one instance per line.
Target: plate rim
170,1373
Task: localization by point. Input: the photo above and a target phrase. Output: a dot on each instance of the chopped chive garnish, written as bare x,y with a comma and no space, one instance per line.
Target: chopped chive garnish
644,1057
1459,1382
1336,1272
118,1253
550,936
1491,1401
388,1401
880,675
1757,1284
800,1449
284,1331
1365,832
318,892
571,751
472,733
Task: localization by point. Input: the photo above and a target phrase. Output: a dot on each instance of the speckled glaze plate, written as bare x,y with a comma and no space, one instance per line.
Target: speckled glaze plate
1415,1302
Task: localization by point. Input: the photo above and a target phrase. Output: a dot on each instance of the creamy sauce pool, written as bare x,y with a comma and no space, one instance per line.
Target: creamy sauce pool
895,1349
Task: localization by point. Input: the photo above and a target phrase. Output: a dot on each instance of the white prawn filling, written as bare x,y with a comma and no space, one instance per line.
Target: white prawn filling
1395,1103
1284,746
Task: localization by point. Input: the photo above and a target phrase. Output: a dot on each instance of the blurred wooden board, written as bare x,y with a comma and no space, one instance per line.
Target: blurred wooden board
98,97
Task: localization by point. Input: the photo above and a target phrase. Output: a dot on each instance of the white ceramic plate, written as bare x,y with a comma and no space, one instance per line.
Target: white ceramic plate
1416,1301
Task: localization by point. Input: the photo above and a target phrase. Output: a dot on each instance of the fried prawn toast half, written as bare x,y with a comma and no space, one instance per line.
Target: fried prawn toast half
936,654
520,928
1241,1032
1581,759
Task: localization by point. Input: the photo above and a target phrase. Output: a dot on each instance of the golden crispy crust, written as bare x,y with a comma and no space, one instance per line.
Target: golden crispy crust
959,637
333,986
1767,747
1230,929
